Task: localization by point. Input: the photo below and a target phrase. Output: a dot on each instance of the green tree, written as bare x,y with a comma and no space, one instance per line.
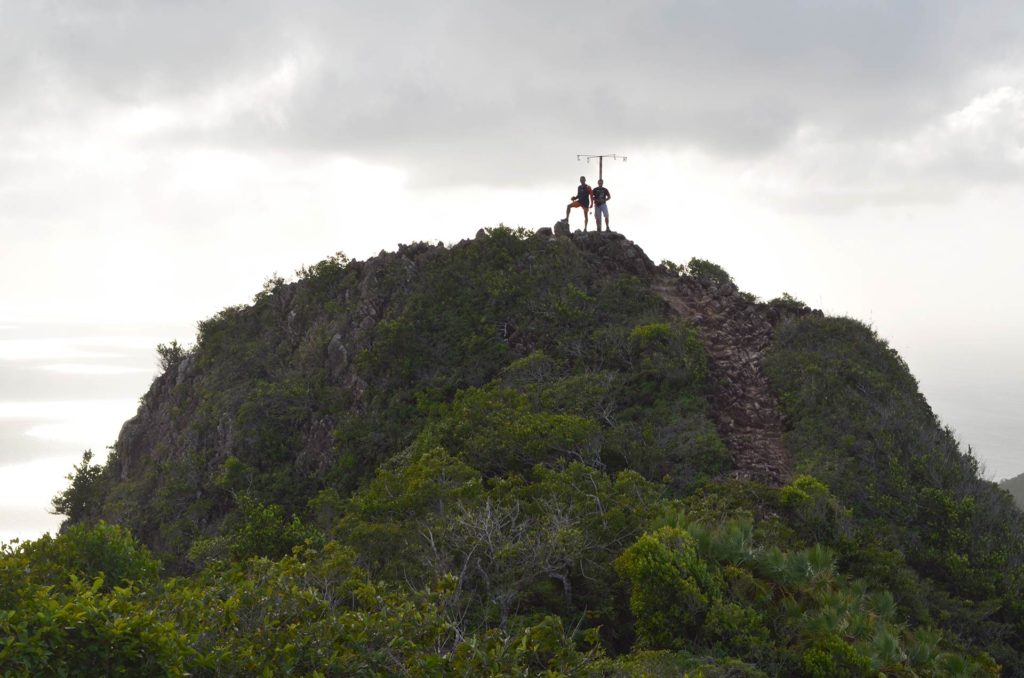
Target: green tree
82,497
87,552
669,588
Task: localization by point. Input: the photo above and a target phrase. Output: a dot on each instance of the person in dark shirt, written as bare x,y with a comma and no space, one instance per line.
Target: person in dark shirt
582,199
601,197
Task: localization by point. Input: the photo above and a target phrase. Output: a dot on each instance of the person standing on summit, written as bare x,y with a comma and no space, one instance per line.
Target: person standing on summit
582,199
601,197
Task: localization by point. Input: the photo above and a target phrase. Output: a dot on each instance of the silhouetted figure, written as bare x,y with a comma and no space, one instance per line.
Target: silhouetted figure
582,199
601,197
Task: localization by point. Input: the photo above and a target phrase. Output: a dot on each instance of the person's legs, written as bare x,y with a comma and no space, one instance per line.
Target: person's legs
568,208
586,215
599,211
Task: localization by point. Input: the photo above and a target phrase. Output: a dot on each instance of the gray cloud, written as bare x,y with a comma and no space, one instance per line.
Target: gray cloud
478,92
18,447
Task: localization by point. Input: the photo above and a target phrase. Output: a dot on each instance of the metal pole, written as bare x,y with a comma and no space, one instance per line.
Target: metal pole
600,161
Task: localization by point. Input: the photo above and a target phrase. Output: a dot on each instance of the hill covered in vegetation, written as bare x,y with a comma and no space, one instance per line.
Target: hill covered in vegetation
524,454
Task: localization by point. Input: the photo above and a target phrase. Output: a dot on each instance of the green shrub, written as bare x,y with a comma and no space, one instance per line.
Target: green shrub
83,496
707,272
86,553
667,598
86,632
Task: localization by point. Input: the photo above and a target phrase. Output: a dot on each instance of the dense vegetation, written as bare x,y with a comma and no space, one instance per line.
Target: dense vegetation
499,459
947,544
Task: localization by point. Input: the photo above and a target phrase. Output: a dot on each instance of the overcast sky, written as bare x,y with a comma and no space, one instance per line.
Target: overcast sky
159,160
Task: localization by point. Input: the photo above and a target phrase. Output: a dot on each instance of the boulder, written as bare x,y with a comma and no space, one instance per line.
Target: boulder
727,290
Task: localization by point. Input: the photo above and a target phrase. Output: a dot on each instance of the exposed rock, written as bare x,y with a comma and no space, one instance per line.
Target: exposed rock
225,436
150,434
562,228
337,354
726,290
736,334
616,253
317,455
417,249
780,313
184,368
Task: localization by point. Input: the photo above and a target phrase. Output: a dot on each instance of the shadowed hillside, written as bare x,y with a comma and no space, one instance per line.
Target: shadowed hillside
528,453
1015,486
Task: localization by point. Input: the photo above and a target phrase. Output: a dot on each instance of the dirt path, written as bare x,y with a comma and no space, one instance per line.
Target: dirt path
736,334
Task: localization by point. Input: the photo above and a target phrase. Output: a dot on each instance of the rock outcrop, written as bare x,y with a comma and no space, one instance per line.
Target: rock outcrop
736,333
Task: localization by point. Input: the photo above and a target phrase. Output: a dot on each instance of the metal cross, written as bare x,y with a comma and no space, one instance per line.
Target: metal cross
600,161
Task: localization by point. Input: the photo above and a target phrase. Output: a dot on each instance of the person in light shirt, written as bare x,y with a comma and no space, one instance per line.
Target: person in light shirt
601,197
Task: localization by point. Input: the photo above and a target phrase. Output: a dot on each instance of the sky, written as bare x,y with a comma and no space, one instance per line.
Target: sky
159,160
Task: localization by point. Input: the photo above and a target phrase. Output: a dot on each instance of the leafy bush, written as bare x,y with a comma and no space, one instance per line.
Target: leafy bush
708,590
86,632
105,552
496,431
83,496
707,272
170,354
669,588
69,606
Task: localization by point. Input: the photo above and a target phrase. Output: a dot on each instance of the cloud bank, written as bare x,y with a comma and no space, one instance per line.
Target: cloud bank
494,94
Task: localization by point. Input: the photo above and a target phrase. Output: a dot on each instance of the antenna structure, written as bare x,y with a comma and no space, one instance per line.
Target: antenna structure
600,160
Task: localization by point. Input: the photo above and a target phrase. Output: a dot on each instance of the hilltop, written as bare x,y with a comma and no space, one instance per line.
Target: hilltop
530,452
288,387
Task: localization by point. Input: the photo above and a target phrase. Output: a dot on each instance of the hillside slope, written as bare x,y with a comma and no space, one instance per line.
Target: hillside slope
557,428
327,377
1015,486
